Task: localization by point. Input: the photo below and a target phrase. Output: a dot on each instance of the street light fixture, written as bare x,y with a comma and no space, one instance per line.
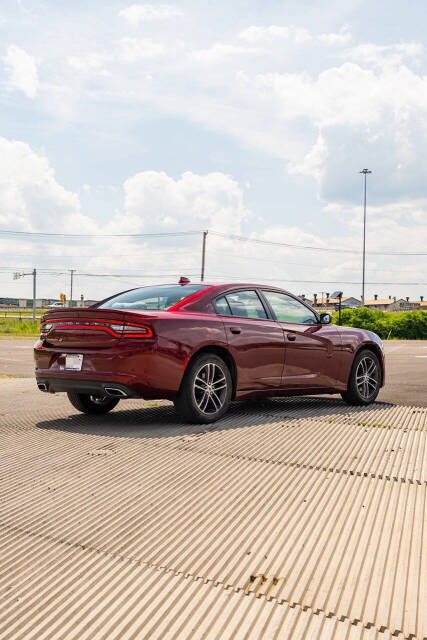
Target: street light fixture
338,294
365,173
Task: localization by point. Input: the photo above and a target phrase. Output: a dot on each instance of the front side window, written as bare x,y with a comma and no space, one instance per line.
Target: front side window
243,304
287,309
157,298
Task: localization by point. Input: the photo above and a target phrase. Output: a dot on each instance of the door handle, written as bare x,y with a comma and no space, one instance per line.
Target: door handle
235,330
291,337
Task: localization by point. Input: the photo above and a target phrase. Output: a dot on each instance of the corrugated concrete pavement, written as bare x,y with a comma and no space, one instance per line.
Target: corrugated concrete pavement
298,518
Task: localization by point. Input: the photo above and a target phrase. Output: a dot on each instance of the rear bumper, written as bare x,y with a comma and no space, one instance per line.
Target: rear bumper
95,387
134,366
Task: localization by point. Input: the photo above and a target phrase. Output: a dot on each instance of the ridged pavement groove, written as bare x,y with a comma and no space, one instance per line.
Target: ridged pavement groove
398,454
71,593
275,522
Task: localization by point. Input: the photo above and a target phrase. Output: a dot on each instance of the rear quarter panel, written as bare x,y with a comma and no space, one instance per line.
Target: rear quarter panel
178,336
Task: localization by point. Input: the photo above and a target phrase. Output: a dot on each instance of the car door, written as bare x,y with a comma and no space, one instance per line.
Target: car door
312,350
255,340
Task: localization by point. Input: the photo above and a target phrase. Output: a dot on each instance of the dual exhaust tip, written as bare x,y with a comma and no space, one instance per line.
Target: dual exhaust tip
114,392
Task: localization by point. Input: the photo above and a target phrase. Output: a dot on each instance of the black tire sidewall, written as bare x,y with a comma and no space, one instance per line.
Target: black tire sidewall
352,390
185,402
83,402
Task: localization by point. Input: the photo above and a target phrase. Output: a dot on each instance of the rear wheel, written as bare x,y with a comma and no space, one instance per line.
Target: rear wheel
94,404
206,390
365,379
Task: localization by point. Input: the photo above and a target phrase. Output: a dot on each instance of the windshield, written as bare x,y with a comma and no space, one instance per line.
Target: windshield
159,297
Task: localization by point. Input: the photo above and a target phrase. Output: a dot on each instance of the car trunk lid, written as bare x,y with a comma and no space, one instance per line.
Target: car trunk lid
96,328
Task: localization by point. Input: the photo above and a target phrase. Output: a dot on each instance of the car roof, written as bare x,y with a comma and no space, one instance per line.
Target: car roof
242,285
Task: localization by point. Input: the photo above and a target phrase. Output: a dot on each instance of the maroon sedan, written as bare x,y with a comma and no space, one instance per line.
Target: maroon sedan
203,345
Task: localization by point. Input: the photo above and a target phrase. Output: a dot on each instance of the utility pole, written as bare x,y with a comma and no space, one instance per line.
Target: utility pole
202,276
71,286
33,273
34,294
365,173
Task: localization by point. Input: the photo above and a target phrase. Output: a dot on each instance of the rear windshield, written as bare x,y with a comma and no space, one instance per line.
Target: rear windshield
159,297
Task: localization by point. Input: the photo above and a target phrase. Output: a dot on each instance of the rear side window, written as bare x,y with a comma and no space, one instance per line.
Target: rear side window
221,307
157,298
243,304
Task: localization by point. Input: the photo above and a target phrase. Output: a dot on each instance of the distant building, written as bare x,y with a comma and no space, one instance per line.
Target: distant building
391,304
347,302
420,304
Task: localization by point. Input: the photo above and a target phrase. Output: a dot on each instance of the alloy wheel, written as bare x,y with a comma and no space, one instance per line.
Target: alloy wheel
367,377
210,388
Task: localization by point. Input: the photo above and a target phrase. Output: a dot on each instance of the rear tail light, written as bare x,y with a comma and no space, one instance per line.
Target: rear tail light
118,330
130,330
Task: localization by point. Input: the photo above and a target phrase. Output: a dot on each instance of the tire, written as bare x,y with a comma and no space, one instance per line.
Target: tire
95,405
365,379
206,390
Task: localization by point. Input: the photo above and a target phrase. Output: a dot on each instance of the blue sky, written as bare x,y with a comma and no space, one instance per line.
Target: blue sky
251,118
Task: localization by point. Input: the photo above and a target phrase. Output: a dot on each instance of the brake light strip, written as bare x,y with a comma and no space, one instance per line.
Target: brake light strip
148,333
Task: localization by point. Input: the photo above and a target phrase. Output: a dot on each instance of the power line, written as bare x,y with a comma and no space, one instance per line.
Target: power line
216,233
109,275
312,248
278,279
247,258
99,235
225,277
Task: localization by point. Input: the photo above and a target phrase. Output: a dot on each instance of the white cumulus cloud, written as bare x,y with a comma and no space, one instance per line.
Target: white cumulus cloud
260,34
89,61
221,51
297,35
30,197
154,200
134,49
137,13
22,71
313,164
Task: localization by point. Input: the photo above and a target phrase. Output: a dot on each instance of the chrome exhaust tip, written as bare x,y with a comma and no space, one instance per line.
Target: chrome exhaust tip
42,386
114,392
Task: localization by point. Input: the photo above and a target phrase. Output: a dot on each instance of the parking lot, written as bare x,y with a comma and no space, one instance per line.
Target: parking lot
288,519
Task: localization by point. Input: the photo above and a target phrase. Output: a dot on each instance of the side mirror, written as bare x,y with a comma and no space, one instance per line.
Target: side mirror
325,318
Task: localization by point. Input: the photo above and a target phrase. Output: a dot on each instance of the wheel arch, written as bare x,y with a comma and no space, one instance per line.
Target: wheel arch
223,353
371,346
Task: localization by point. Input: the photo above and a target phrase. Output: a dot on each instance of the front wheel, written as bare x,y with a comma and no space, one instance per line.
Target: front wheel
365,379
93,404
206,390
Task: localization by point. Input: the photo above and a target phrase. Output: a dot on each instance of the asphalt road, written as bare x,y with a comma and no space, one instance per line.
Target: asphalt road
406,368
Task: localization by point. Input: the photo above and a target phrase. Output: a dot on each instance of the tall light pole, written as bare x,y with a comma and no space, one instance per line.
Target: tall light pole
71,287
202,275
365,173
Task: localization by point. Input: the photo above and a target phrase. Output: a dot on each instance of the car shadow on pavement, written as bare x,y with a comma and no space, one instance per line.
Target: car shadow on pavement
163,422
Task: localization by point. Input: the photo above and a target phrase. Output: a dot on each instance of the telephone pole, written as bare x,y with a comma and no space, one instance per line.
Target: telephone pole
365,173
202,276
